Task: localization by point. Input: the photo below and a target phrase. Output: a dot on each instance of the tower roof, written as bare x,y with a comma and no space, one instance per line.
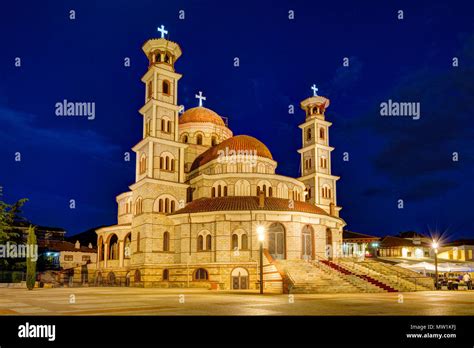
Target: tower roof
237,143
163,45
317,100
202,115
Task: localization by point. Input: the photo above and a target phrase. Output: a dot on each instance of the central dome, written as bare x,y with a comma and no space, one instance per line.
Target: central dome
237,143
202,115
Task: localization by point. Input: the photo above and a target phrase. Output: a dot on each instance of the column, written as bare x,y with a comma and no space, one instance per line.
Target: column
106,254
121,255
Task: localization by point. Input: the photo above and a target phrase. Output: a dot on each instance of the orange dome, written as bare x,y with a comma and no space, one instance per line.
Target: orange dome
201,114
237,143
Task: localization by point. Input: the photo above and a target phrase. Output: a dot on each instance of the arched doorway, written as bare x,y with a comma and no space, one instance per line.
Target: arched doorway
127,279
240,278
307,243
276,241
98,279
111,279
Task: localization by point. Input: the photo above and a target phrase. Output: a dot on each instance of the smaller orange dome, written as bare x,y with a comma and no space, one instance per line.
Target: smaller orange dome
202,115
236,143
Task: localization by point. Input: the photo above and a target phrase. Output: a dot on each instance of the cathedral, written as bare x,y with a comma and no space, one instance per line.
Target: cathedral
200,194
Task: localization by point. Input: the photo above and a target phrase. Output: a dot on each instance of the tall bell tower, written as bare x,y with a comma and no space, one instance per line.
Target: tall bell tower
316,155
160,155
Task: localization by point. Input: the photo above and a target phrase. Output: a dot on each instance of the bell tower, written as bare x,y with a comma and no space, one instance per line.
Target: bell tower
160,155
316,155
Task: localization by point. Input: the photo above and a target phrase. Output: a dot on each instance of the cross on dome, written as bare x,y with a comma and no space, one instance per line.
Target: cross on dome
200,97
315,90
162,31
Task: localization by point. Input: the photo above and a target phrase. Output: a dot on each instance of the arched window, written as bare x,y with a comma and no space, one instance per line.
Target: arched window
167,202
321,133
150,90
323,162
199,139
166,241
242,188
208,242
173,206
172,165
185,138
166,274
113,248
201,274
163,125
244,242
142,166
166,87
138,206
214,141
308,134
213,192
158,57
160,206
167,58
200,244
270,192
138,241
235,242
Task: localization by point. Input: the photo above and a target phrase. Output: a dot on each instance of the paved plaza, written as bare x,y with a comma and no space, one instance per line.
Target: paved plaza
136,301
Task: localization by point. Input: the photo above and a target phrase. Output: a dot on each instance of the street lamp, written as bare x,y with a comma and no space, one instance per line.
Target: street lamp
435,246
261,238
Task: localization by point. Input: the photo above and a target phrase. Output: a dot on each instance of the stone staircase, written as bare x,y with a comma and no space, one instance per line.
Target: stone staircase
408,279
305,277
361,284
356,271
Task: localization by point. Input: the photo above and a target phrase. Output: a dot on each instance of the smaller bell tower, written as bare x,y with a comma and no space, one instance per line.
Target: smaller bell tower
316,155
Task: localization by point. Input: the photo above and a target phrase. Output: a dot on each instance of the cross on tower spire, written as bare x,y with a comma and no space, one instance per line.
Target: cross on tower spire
315,90
162,31
200,97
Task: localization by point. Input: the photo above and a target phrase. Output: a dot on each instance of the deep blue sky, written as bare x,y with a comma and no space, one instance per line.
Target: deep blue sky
390,158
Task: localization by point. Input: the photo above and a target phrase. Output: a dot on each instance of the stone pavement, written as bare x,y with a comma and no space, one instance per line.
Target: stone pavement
137,301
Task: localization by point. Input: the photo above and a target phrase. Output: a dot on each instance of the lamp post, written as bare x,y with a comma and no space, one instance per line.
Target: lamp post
261,238
435,248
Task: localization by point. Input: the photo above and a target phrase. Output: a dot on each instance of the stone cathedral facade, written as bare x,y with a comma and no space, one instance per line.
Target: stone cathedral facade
190,217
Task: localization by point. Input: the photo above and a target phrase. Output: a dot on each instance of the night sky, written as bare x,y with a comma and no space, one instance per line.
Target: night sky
391,158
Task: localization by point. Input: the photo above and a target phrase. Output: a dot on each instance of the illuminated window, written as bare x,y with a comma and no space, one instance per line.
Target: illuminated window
166,87
166,241
199,139
201,274
321,133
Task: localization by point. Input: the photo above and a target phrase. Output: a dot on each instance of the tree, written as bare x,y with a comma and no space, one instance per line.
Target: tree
9,214
30,261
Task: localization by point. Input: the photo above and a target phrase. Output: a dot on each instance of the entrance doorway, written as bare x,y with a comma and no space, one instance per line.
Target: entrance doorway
276,241
240,279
